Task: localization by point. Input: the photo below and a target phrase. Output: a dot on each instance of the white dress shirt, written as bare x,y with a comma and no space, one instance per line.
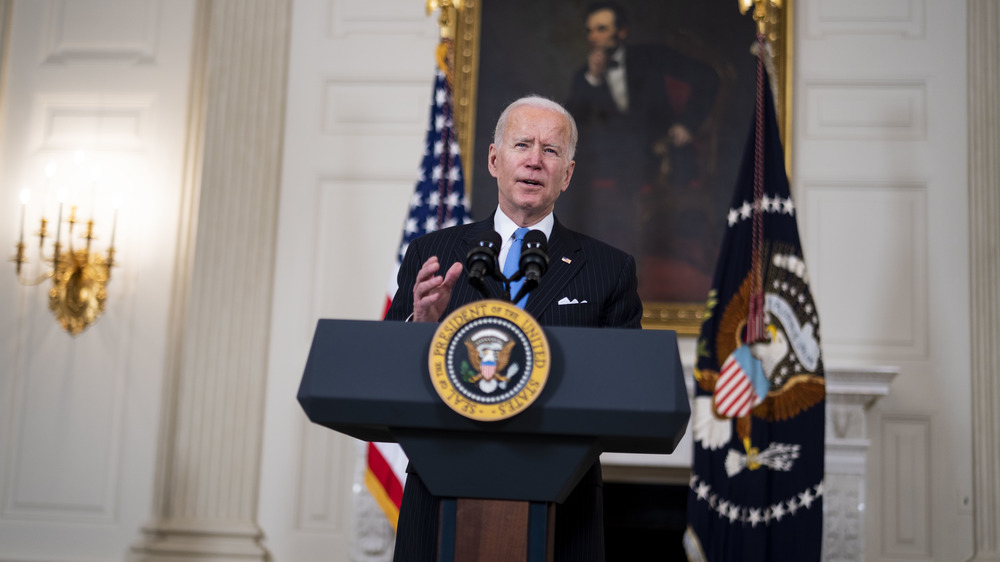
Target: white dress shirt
505,227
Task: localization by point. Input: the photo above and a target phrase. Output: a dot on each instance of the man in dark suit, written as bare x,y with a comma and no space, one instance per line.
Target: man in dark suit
640,108
532,159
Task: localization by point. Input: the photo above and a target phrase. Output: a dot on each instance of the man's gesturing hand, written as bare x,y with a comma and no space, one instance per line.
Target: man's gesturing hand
431,292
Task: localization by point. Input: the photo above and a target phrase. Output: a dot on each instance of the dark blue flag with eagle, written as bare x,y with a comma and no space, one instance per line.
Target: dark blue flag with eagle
757,417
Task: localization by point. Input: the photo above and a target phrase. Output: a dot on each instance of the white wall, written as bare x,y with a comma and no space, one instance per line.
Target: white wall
79,415
359,92
880,172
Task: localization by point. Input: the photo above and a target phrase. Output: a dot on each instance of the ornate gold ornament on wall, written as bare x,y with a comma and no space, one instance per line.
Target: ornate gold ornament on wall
79,275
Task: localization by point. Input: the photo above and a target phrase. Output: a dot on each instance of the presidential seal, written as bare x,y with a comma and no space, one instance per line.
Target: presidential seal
489,360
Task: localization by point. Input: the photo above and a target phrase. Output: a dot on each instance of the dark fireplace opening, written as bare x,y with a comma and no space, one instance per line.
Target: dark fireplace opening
640,519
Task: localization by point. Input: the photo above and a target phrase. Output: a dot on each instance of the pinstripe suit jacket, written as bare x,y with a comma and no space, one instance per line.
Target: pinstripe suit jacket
603,279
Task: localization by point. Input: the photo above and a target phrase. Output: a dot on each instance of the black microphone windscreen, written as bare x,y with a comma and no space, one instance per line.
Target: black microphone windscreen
491,239
534,256
481,261
536,239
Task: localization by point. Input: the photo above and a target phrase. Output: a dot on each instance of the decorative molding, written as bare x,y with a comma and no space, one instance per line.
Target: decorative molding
398,17
86,494
984,218
374,107
871,17
850,392
345,207
889,220
859,385
874,110
74,35
111,123
319,492
843,517
906,486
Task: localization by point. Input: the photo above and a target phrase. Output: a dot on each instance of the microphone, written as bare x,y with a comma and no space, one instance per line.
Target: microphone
481,261
534,261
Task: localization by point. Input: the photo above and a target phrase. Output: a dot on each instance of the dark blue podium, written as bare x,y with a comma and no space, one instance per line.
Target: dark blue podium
608,390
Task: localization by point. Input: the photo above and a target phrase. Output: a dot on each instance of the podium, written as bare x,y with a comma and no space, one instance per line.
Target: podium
608,390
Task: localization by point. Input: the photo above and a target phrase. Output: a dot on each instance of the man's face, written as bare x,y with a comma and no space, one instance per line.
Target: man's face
602,33
531,163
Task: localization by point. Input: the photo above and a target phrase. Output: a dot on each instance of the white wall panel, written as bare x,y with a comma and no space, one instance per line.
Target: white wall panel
382,17
74,122
353,230
855,17
856,110
79,414
67,417
868,261
84,31
325,486
905,491
359,90
881,166
366,107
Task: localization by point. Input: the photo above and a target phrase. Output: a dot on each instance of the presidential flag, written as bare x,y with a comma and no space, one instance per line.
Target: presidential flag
756,490
439,201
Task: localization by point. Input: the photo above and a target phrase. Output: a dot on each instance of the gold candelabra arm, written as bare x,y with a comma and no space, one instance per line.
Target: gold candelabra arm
111,262
23,277
42,233
71,221
89,235
56,251
18,258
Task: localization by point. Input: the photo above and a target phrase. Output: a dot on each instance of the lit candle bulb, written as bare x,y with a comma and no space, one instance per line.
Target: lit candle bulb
61,196
116,203
25,199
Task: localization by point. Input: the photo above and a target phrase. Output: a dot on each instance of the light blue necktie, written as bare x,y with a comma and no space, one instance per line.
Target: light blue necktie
512,264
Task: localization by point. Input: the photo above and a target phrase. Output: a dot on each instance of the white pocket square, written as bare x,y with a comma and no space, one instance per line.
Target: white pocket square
565,300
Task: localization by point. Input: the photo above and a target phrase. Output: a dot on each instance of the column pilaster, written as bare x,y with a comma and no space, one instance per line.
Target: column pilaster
209,455
984,235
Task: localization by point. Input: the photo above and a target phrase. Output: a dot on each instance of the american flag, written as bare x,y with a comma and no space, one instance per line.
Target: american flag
439,201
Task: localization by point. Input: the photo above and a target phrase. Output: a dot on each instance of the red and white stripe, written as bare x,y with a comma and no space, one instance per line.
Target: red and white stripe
385,476
734,395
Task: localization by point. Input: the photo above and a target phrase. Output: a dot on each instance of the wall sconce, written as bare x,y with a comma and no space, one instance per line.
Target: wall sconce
79,275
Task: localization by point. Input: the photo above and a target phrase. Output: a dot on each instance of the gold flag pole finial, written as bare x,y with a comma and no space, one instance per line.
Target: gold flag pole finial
767,15
448,20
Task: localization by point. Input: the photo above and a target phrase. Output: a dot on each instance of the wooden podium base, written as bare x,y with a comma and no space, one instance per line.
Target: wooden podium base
475,530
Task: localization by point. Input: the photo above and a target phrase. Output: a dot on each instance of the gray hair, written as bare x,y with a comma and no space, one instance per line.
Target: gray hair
543,103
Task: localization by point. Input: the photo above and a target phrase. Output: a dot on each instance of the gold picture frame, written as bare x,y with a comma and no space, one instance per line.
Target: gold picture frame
773,19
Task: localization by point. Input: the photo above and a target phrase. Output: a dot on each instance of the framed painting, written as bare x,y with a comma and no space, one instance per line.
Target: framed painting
662,93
